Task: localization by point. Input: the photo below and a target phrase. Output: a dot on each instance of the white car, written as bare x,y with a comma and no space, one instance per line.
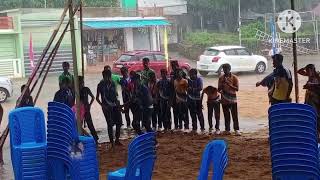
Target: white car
238,57
6,89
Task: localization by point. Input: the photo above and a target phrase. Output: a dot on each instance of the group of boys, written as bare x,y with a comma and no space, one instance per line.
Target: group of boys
150,100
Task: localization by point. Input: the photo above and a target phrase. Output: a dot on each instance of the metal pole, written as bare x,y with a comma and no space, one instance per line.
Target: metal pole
75,65
240,41
316,35
45,3
295,61
81,36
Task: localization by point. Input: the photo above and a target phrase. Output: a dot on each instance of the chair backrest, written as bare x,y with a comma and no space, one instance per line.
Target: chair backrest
291,105
215,153
142,163
27,124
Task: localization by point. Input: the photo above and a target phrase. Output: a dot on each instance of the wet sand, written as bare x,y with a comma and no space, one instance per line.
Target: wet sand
179,156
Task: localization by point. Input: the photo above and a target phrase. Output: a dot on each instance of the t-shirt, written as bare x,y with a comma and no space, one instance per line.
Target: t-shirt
142,97
84,95
228,94
282,80
108,93
165,88
313,93
116,79
212,93
125,86
68,76
64,96
195,87
145,76
181,87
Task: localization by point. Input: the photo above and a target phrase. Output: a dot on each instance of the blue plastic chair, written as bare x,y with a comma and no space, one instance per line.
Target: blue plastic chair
293,142
290,105
28,142
141,157
215,153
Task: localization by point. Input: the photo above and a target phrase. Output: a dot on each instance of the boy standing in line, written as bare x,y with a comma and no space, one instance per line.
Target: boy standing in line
181,87
152,85
228,87
165,96
145,74
126,94
213,103
85,92
195,86
110,106
141,103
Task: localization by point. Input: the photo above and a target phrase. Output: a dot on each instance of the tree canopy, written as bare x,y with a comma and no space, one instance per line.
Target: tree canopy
227,10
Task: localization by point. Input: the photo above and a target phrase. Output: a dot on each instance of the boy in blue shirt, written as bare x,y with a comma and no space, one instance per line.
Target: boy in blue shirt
195,86
165,98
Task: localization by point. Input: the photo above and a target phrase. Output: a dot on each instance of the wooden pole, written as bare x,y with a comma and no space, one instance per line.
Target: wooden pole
54,34
81,36
75,66
51,57
295,61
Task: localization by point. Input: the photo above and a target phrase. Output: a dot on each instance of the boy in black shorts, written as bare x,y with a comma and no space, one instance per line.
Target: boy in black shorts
110,105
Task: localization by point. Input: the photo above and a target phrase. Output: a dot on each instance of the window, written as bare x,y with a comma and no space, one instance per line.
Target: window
243,52
211,52
125,58
160,57
149,56
230,52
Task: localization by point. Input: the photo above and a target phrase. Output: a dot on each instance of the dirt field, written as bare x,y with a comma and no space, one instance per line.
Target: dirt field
179,157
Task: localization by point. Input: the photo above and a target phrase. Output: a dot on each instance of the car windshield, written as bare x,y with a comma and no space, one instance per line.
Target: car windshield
211,52
125,58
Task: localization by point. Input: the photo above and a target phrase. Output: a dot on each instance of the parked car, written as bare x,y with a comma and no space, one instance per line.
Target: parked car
133,61
6,89
238,57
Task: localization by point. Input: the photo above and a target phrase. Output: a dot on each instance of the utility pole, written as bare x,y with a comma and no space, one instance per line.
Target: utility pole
240,41
75,66
295,60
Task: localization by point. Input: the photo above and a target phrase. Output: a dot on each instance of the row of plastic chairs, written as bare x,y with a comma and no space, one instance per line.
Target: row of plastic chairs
28,143
141,158
293,142
62,155
215,154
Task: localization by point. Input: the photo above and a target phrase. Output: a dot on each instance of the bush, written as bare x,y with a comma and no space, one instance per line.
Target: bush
249,31
205,39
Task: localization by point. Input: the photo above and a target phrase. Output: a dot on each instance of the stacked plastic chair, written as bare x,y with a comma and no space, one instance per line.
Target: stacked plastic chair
293,142
87,162
65,158
141,158
216,154
28,143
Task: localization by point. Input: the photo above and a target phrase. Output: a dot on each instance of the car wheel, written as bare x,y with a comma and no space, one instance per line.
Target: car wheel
203,73
260,68
3,95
